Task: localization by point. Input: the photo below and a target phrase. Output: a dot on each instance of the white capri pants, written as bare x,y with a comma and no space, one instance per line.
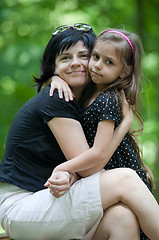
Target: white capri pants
39,216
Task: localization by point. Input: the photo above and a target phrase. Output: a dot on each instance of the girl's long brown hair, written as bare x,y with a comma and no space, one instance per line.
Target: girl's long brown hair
131,83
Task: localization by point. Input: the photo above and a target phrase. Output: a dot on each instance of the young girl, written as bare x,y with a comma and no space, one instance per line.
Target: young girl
115,65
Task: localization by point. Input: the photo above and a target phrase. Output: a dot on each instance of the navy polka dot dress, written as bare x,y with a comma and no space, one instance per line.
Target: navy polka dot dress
105,107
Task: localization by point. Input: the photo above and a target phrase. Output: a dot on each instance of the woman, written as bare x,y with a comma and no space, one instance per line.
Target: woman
32,152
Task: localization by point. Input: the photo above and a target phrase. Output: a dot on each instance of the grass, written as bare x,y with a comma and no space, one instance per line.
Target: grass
1,229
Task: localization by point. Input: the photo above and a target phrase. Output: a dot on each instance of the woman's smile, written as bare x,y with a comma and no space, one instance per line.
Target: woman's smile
77,72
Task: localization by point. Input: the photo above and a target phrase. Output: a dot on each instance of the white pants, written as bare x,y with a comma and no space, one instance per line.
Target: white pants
33,216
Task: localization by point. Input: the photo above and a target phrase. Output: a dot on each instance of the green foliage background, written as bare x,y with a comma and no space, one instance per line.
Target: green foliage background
25,28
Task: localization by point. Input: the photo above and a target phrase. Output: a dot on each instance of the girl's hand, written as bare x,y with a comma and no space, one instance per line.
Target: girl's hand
126,109
63,88
58,183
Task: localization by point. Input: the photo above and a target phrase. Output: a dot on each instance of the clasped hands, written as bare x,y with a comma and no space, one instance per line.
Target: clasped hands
58,183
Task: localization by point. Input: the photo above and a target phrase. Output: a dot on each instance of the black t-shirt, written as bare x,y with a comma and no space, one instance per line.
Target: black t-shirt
31,150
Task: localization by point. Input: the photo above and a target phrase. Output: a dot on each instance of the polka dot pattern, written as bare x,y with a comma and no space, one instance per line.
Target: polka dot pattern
105,107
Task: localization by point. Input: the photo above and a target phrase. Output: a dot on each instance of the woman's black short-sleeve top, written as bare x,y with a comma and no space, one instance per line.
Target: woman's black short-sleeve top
31,150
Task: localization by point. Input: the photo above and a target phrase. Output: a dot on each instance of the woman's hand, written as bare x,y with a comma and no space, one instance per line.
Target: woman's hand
59,183
62,87
126,109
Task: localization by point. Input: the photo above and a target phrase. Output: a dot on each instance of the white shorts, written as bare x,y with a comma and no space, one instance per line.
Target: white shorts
33,216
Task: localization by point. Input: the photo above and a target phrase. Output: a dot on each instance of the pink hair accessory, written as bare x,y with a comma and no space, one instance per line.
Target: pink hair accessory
126,38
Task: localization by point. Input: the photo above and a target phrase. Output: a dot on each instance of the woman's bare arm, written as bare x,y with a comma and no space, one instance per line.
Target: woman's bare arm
96,151
106,142
72,130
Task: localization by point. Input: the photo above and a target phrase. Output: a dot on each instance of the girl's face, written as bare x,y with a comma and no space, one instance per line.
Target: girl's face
105,65
72,66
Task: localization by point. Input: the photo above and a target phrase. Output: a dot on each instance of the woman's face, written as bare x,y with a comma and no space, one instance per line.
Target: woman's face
72,66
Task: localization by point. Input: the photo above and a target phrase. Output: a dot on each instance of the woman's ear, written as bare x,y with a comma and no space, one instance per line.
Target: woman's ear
125,73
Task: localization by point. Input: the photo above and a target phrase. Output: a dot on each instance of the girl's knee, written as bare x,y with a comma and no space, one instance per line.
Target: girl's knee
118,176
127,173
121,222
115,185
121,216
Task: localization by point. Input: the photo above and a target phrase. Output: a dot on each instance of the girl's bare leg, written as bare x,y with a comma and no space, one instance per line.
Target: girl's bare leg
124,185
118,223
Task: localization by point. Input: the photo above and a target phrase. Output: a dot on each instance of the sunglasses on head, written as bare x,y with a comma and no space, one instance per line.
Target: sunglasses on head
78,26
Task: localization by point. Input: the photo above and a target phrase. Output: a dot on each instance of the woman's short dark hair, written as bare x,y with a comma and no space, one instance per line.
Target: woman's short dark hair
57,44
